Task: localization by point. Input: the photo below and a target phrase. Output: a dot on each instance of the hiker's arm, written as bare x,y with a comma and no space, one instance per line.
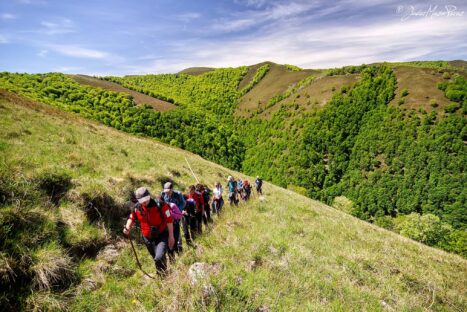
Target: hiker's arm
170,226
128,226
182,203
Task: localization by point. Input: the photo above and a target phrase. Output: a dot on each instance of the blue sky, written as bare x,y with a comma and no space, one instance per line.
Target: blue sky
121,37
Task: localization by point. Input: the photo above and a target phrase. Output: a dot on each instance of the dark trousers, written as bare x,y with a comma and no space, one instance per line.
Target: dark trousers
158,248
199,223
178,244
233,198
190,227
207,214
217,205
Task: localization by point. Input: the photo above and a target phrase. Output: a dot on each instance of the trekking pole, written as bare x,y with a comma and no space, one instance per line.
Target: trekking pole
191,170
136,257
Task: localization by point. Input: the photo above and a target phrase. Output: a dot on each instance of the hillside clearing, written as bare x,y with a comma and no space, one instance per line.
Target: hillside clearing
276,81
138,97
315,95
422,87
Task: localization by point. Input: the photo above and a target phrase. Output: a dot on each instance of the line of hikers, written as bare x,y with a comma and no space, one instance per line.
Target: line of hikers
160,216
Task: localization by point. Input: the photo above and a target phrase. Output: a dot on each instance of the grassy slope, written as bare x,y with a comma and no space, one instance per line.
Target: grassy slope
283,252
196,70
422,85
250,74
276,81
315,95
138,97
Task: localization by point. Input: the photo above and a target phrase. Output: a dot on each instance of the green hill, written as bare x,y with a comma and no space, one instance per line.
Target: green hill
279,252
387,140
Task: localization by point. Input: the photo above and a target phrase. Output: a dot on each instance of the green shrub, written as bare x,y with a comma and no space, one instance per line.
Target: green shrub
456,242
404,92
452,108
292,67
386,222
427,228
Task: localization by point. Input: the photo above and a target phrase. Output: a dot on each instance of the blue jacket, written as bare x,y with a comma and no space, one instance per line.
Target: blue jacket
176,198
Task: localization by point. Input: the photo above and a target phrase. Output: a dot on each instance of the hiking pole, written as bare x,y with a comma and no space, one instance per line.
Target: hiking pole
136,257
191,170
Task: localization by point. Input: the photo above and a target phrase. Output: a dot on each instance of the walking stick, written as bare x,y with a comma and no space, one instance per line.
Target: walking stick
136,257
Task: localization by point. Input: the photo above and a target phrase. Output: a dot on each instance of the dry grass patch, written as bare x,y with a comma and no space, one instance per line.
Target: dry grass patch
276,81
315,95
52,267
421,86
138,97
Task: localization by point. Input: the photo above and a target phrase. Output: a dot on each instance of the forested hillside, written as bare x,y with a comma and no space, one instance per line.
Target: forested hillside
394,164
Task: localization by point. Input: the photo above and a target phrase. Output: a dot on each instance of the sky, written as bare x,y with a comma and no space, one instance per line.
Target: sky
122,37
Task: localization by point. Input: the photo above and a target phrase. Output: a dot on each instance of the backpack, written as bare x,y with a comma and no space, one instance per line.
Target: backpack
175,212
190,206
154,203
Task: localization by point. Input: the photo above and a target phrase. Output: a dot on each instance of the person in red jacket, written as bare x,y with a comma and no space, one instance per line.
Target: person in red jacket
199,200
156,226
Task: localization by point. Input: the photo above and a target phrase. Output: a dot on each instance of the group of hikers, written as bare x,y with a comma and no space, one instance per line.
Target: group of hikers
159,217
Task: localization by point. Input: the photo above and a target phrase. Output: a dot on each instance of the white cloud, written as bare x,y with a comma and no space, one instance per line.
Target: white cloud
321,47
67,69
3,39
62,26
78,52
252,3
7,16
245,20
43,53
32,1
187,17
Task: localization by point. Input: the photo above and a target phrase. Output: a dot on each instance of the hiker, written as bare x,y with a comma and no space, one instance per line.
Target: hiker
239,186
259,185
217,201
176,197
232,186
206,193
199,201
156,224
247,189
189,221
177,217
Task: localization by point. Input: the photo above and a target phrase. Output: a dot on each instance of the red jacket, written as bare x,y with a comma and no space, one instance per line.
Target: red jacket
199,200
151,216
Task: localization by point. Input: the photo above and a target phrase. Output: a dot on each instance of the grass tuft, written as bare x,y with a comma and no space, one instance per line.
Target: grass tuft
52,268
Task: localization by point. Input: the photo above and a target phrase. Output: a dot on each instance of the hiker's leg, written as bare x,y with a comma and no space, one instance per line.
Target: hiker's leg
199,222
186,229
161,249
193,222
178,242
150,246
208,212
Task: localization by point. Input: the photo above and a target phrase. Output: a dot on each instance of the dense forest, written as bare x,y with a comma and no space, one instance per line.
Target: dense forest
401,169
